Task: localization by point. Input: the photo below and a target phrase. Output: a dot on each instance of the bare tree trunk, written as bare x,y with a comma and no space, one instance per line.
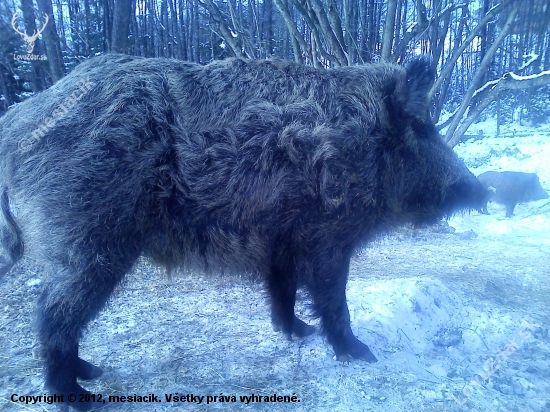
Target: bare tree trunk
189,28
268,4
451,62
329,33
7,101
313,20
351,24
479,74
181,29
297,38
222,27
74,20
418,29
107,25
485,41
196,31
315,34
371,29
87,25
176,32
336,24
30,28
121,26
51,39
61,35
162,27
437,38
441,87
389,27
491,91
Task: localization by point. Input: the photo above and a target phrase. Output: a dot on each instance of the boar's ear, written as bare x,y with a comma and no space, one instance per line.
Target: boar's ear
420,77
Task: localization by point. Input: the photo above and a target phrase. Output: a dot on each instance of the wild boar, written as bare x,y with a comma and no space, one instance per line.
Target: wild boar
511,188
264,167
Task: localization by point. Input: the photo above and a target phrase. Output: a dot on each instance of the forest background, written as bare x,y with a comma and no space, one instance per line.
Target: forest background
492,57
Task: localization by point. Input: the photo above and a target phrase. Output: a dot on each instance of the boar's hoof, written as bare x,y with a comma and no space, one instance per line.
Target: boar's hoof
86,371
300,329
354,348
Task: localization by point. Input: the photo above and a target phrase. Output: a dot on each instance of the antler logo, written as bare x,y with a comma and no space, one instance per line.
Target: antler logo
30,40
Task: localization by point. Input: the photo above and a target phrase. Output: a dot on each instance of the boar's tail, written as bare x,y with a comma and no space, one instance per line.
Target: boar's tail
10,236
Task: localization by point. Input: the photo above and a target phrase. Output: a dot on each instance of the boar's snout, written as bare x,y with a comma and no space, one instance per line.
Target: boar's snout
466,194
542,194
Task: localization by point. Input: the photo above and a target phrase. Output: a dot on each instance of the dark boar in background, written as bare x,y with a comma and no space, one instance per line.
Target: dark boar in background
511,188
242,166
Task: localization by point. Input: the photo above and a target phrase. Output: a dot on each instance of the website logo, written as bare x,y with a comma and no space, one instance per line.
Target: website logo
29,40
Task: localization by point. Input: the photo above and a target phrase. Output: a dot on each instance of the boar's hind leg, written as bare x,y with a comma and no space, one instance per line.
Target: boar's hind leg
68,302
510,209
282,283
329,296
483,209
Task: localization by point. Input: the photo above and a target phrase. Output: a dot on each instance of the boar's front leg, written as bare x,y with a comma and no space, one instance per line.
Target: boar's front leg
510,209
282,283
328,288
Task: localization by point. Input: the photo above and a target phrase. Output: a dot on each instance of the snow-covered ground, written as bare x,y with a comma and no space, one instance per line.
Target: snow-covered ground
520,148
457,315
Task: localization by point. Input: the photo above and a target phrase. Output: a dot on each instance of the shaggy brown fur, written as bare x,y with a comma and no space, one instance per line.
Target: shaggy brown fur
242,166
